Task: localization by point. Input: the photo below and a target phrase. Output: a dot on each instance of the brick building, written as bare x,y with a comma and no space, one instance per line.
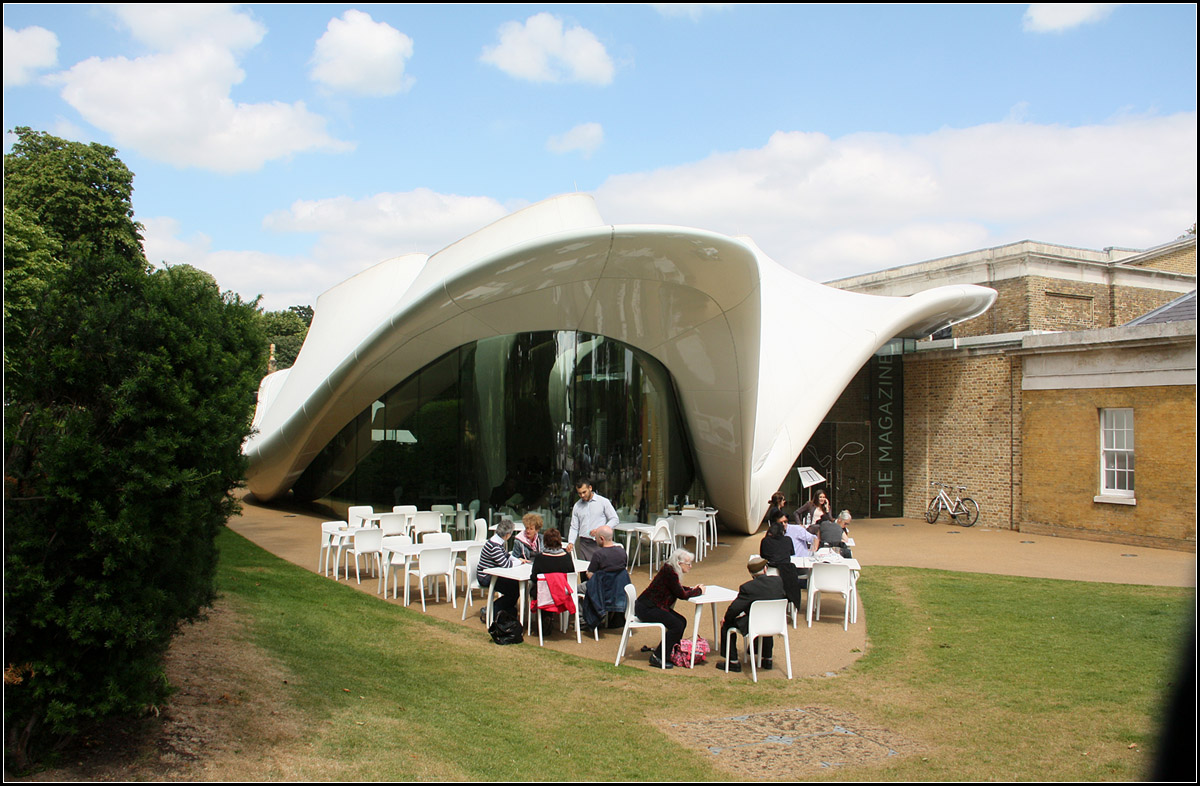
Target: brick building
1060,410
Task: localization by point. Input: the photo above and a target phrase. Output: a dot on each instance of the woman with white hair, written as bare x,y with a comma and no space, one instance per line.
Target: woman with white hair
657,601
494,555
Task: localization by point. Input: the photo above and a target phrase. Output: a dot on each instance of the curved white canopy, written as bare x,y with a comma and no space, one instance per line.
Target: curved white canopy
714,310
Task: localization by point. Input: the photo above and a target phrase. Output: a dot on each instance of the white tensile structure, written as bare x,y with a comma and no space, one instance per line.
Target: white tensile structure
730,325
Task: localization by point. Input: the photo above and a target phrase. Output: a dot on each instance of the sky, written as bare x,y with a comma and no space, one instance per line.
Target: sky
284,148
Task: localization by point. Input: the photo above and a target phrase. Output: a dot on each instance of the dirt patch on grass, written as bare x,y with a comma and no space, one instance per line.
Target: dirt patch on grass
228,719
782,745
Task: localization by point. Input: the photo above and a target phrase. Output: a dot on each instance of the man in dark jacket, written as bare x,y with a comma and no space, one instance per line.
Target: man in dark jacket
606,579
737,616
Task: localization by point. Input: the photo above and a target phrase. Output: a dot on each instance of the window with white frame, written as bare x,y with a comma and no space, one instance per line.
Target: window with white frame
1116,452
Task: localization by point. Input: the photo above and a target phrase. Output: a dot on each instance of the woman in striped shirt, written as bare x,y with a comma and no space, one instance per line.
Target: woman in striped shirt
495,555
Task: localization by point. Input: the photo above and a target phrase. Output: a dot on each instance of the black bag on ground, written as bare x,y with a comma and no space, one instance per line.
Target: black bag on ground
506,628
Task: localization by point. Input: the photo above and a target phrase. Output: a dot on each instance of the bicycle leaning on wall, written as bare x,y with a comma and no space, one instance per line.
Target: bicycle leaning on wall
963,510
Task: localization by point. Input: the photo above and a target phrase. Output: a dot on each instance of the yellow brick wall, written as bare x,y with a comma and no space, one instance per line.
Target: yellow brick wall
1061,469
1181,260
1129,303
1009,314
1037,303
962,416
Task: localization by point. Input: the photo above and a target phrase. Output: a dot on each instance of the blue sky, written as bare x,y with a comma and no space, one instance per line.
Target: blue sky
284,148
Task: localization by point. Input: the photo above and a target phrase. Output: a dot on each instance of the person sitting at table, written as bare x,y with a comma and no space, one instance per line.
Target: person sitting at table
737,616
808,514
830,535
657,602
553,558
802,539
555,564
528,542
776,548
776,503
494,555
609,555
607,576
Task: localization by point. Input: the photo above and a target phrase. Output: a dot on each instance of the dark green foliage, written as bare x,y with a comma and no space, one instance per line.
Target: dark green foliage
287,330
306,314
81,194
128,395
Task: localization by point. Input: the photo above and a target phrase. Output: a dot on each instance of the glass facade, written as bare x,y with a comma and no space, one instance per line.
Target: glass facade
507,424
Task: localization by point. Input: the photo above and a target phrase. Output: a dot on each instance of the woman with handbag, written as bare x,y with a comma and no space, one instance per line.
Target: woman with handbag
657,601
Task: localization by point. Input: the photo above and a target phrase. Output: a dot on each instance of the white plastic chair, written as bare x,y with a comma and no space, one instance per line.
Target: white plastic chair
354,521
710,515
829,577
394,563
481,531
331,538
661,540
368,542
448,513
691,525
767,618
409,511
471,571
631,622
535,610
578,592
425,521
433,562
393,523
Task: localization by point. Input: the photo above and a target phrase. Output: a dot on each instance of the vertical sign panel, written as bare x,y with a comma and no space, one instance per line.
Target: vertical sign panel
887,436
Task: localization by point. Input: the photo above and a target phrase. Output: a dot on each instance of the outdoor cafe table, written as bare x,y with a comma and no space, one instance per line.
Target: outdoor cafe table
807,562
630,528
713,595
520,573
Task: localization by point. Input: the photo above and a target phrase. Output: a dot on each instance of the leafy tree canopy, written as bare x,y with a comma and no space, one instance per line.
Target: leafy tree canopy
287,330
128,396
79,194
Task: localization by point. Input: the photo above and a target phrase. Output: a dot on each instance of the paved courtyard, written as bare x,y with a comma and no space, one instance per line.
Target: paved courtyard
294,535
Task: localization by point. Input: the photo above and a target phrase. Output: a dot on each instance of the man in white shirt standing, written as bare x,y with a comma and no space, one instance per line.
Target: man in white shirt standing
591,511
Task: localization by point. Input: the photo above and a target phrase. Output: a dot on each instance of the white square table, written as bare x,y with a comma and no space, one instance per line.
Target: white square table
521,574
713,594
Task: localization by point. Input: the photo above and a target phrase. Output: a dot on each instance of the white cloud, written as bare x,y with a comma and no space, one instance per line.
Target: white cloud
585,138
282,280
1057,17
542,51
352,235
692,11
357,233
360,55
27,51
176,105
834,207
172,26
824,207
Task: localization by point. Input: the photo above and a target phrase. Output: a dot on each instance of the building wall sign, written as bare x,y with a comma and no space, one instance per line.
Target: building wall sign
887,436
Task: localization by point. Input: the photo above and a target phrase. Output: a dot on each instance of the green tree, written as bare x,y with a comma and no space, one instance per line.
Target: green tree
287,331
129,396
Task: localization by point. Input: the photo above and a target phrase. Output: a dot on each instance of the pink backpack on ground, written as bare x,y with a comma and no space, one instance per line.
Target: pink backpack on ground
681,655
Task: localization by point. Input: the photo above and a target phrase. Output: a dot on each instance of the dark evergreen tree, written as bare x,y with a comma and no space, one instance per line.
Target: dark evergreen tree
128,392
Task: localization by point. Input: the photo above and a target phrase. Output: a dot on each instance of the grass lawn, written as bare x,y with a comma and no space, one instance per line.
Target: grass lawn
991,677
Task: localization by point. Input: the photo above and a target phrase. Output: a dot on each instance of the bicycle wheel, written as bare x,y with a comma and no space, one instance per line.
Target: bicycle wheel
969,512
933,511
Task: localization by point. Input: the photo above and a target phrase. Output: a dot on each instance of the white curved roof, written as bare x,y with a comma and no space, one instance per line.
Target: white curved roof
714,310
